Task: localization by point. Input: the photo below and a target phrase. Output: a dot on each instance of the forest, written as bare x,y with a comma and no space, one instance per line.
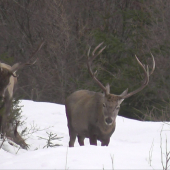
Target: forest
69,27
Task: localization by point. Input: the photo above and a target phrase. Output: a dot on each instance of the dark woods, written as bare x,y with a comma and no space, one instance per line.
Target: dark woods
127,27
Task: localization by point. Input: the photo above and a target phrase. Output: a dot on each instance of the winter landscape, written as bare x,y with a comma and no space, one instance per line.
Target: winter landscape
133,145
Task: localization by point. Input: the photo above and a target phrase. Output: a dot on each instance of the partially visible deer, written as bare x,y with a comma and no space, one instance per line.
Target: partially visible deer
8,80
93,115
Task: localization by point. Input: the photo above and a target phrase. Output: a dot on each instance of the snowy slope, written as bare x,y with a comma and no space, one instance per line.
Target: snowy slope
134,144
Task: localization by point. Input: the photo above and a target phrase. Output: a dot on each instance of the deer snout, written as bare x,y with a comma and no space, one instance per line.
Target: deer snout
108,121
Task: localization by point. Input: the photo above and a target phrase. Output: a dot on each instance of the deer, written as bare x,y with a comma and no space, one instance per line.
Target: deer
8,81
93,114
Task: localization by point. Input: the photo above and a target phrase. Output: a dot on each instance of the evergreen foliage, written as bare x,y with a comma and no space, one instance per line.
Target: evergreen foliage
119,59
16,111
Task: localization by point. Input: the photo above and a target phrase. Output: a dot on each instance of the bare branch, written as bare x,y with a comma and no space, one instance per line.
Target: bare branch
21,65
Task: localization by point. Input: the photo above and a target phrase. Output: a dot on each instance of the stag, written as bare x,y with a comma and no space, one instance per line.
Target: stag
8,80
92,114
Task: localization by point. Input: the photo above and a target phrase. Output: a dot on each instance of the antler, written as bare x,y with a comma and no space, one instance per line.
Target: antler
89,63
146,71
146,80
18,66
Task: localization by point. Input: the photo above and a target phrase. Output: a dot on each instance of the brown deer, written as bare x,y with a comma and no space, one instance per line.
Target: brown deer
8,80
93,115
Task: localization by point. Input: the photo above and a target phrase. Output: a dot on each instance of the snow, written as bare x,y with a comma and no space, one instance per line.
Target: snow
133,145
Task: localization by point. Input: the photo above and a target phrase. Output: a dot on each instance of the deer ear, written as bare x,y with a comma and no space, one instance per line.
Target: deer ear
124,93
107,89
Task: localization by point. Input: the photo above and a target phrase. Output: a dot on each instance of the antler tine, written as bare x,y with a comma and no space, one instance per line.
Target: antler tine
146,71
96,48
89,62
146,80
94,56
153,67
88,53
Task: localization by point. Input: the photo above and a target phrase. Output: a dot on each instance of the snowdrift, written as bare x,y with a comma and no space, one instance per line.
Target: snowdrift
133,145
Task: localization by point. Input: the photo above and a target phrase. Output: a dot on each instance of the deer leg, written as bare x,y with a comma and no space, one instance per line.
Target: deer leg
72,135
72,140
105,142
93,140
81,140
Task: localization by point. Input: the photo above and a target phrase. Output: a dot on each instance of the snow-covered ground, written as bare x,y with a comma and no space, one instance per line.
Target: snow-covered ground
134,144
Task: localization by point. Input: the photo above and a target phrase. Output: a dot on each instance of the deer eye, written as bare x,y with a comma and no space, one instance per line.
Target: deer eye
104,105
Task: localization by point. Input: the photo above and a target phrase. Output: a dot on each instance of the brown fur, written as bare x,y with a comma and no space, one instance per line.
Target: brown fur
86,113
9,81
7,85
